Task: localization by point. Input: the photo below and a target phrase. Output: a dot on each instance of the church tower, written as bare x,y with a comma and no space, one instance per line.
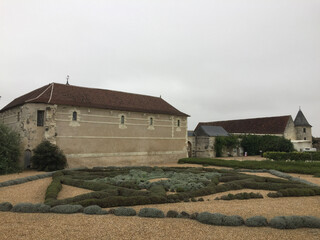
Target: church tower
303,128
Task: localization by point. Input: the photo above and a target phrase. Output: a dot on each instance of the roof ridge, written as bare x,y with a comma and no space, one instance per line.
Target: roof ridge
32,99
101,89
246,119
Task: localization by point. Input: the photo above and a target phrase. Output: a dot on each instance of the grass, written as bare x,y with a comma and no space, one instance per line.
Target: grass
283,166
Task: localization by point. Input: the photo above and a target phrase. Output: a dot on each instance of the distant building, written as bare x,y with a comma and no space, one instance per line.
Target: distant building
96,127
298,131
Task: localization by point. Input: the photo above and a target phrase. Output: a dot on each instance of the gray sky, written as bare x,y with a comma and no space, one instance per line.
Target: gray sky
214,60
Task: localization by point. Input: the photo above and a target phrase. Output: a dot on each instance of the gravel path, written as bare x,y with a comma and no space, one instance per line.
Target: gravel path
16,226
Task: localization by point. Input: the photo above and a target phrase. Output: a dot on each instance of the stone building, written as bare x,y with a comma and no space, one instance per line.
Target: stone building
96,127
298,130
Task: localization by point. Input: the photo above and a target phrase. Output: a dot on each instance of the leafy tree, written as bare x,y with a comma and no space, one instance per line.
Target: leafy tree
253,144
9,150
228,142
48,157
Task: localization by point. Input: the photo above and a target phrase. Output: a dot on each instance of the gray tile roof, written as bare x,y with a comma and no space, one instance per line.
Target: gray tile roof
301,120
211,131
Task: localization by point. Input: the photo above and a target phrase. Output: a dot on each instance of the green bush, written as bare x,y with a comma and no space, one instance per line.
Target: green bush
172,214
67,209
298,156
253,144
53,189
151,213
283,166
48,157
9,150
94,210
256,221
31,208
5,206
225,142
234,220
240,196
211,218
123,211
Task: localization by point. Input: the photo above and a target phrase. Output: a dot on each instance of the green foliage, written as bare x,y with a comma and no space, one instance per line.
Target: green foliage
5,206
298,156
172,214
123,211
53,189
67,209
253,144
256,221
48,157
31,208
227,142
151,213
240,196
283,166
9,150
94,210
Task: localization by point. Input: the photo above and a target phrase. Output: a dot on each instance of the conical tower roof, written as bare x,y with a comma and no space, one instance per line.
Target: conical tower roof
301,120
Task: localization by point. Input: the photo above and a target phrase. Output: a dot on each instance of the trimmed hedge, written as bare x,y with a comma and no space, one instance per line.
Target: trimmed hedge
293,222
151,213
123,211
31,208
297,156
67,209
240,196
283,166
256,221
94,210
5,207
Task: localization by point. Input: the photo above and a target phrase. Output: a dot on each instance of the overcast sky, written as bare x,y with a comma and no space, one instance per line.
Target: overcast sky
214,60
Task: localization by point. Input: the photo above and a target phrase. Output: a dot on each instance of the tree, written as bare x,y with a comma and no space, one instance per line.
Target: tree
48,157
10,146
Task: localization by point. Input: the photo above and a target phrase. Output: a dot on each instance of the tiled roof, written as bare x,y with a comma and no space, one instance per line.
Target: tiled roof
267,125
301,120
211,131
62,94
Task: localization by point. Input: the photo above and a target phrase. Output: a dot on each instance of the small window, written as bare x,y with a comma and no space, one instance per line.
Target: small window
122,120
40,118
151,121
305,138
304,130
18,117
74,116
178,123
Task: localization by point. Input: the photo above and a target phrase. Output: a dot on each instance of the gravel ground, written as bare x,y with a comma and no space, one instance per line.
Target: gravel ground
79,226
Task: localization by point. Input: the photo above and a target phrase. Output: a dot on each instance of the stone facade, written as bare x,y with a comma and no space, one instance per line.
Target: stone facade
100,137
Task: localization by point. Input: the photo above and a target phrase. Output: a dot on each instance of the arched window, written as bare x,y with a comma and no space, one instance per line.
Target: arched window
178,123
122,119
74,116
151,121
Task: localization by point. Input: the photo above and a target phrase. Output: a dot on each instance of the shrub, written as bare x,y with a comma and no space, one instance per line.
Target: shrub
240,196
172,214
232,221
194,215
94,209
53,189
256,221
123,211
9,150
5,207
311,222
210,218
31,208
67,209
184,214
298,156
253,144
151,213
48,157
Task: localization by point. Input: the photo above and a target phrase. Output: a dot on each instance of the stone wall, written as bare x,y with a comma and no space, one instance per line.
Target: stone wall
98,138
